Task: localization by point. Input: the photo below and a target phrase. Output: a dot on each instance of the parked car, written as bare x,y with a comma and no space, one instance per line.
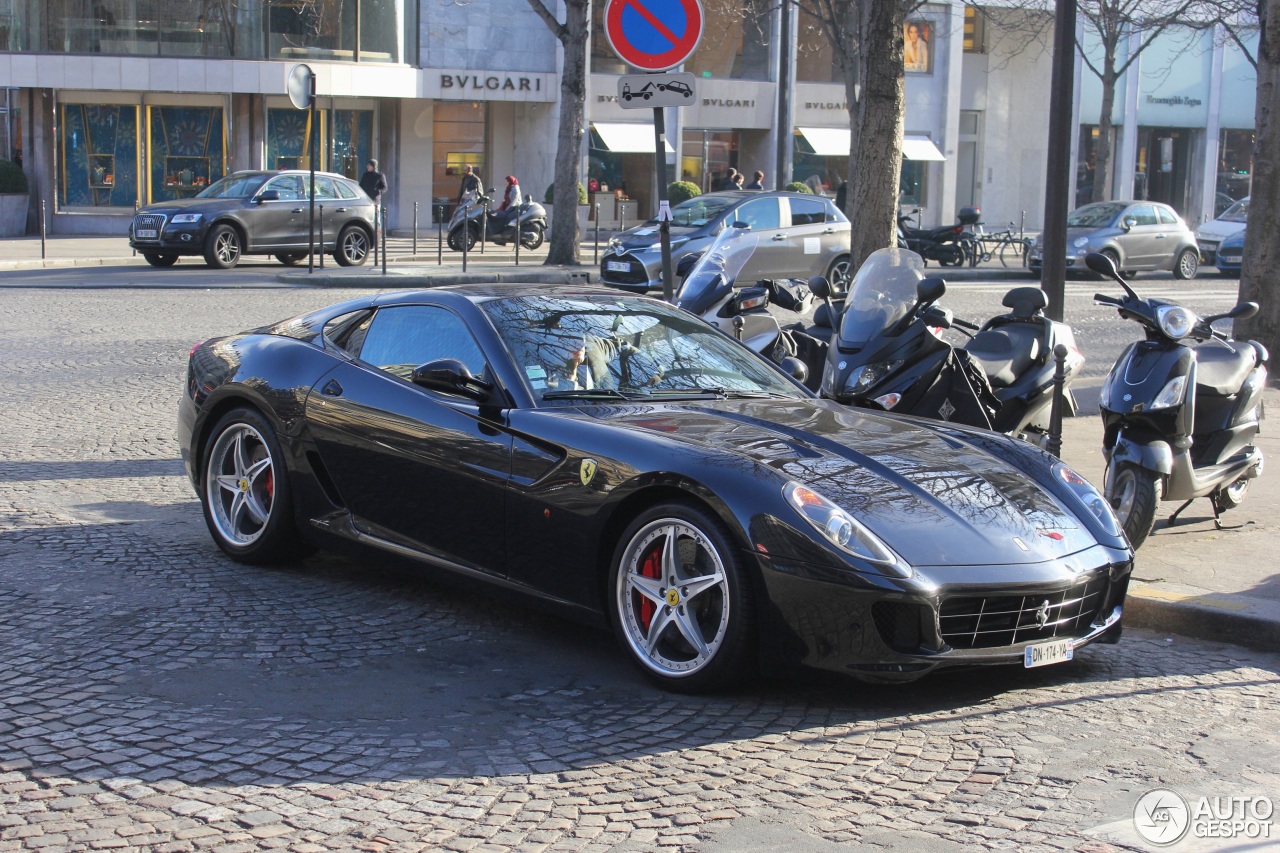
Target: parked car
1136,235
621,461
801,236
1213,232
257,213
1230,254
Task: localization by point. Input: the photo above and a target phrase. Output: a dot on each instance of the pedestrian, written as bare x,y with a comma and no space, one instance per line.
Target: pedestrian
757,181
727,182
373,182
737,181
841,194
472,187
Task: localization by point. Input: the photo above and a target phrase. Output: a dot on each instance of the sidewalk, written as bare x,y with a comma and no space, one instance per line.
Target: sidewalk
1191,579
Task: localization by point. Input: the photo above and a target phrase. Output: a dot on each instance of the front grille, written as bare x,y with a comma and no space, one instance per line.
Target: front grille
983,622
154,221
635,274
901,624
1231,254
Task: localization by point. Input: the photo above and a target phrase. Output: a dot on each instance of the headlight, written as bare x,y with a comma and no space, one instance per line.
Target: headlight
1094,502
841,529
1171,394
868,375
185,217
1081,242
1175,321
615,246
828,385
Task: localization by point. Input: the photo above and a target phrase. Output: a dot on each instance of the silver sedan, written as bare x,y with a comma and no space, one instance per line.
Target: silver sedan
1136,235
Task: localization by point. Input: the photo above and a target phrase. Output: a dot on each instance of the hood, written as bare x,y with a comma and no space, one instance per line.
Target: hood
647,235
936,495
1217,229
195,205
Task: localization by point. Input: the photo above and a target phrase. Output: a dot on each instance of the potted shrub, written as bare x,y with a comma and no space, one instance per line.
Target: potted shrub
681,191
799,187
13,200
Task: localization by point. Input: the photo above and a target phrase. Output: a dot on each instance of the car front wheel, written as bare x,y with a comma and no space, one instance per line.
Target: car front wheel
838,274
1188,265
681,604
161,259
222,247
353,246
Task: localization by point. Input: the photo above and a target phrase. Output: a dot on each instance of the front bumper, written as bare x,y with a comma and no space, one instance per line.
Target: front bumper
182,239
633,270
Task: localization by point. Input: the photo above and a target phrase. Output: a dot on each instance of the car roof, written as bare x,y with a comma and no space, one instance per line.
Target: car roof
274,172
741,194
479,293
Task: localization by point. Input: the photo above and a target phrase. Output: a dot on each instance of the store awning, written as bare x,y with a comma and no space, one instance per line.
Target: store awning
627,138
834,142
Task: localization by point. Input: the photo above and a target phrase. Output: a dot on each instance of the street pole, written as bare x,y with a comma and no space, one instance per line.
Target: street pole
1053,269
664,228
312,152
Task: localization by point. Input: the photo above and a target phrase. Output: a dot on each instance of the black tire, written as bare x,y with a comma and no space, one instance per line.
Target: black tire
839,275
1187,265
222,247
245,491
1134,494
703,599
291,259
161,259
536,234
352,248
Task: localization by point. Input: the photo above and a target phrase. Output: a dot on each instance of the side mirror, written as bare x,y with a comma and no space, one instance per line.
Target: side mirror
820,287
795,368
452,377
746,299
745,226
267,195
1101,264
1128,222
930,290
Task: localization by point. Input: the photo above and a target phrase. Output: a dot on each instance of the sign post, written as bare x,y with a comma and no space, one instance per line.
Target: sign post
301,88
655,36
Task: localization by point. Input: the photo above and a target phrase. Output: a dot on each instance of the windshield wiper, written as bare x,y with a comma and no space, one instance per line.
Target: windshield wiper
695,390
590,394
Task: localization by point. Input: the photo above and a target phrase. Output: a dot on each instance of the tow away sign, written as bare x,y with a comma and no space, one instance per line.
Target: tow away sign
638,91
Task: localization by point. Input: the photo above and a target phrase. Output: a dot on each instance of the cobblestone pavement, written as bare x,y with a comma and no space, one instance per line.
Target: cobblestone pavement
156,696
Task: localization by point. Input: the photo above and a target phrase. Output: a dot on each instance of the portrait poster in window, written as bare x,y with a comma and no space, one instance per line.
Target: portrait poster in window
917,54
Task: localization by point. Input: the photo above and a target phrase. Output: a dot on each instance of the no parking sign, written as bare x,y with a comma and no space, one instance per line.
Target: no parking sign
653,35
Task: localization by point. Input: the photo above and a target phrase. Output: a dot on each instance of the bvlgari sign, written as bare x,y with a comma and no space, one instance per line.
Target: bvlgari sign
465,85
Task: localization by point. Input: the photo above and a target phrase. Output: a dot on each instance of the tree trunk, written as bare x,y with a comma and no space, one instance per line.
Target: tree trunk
1102,151
573,95
876,120
1262,247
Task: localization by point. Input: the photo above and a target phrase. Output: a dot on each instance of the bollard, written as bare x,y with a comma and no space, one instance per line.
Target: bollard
595,253
1022,226
484,222
136,207
440,236
517,236
320,221
622,219
376,230
384,240
1054,443
42,229
415,230
465,236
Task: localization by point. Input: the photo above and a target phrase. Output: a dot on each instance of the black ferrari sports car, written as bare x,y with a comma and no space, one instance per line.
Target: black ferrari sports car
626,463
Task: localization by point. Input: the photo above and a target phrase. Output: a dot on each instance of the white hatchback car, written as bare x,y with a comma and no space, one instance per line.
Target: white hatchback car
1213,232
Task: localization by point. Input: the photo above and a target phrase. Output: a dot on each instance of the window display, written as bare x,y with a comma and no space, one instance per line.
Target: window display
99,155
187,150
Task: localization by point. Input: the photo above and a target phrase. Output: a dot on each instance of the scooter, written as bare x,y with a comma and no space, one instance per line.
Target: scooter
499,226
1180,409
889,352
937,244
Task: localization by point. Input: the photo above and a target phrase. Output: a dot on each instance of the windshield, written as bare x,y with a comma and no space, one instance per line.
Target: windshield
882,293
697,212
716,270
233,186
1238,212
625,348
1097,215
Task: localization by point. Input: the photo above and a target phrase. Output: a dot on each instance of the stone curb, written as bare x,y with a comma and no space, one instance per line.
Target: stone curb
406,280
1223,617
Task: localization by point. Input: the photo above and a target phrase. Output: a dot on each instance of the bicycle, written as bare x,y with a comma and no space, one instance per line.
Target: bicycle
998,244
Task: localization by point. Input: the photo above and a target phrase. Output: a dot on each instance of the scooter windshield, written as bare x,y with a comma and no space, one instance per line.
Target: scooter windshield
717,269
882,293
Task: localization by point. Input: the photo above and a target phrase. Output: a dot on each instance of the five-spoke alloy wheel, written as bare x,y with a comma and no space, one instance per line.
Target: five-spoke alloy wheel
222,247
680,600
353,246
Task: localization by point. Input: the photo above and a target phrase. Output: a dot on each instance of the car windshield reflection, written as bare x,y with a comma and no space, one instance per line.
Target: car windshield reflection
620,350
233,186
1094,215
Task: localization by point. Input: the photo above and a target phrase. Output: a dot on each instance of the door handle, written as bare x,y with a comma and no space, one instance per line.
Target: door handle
1161,236
779,236
297,210
829,231
332,389
340,210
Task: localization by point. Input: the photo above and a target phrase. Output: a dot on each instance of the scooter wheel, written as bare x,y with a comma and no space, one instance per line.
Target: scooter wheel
1134,495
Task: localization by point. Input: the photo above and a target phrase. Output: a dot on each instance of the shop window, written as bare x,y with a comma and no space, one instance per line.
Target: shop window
458,133
345,138
738,48
815,57
351,144
1235,165
186,150
975,30
911,184
99,153
707,156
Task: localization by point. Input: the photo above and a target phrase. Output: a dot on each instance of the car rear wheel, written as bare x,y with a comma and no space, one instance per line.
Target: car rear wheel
681,604
1134,495
161,259
222,247
291,259
535,235
1187,266
838,274
353,246
246,496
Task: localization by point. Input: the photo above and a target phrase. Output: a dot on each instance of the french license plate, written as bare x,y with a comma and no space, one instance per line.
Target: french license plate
147,232
1208,245
1043,654
617,266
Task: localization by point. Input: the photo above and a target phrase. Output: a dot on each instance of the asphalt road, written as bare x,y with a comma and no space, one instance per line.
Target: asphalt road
156,696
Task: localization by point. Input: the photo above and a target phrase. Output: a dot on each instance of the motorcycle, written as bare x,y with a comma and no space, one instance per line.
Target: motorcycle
938,244
707,290
889,352
499,225
1180,409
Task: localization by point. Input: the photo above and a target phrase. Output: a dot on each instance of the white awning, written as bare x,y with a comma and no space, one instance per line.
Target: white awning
834,142
627,138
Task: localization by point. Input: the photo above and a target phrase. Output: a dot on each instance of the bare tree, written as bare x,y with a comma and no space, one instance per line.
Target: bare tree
572,33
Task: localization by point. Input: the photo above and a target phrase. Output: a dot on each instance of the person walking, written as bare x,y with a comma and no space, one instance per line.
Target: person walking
757,181
737,181
373,182
728,183
472,187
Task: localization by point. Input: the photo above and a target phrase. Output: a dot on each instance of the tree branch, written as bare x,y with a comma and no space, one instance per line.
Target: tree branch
559,30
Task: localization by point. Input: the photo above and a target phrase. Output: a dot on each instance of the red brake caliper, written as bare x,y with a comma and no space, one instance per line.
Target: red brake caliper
650,568
270,484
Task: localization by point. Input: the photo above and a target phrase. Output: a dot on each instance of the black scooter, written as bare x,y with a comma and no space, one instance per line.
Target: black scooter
1180,409
937,244
889,352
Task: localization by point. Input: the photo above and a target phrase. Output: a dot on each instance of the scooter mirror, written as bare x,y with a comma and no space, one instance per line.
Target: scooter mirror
930,290
1244,311
795,368
1101,264
820,287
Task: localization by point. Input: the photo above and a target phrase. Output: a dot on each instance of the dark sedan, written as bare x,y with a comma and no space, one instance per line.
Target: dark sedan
258,213
625,463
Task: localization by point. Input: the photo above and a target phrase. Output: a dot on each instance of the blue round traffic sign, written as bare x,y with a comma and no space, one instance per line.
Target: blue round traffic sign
653,35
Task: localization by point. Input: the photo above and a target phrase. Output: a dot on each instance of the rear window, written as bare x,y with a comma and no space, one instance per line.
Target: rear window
805,211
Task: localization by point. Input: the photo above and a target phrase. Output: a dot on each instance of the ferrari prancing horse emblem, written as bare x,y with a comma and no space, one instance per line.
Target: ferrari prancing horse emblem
587,472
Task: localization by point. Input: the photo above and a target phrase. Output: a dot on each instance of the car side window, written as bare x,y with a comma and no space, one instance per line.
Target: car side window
1145,214
345,190
404,337
834,214
324,189
761,214
289,187
808,211
1166,216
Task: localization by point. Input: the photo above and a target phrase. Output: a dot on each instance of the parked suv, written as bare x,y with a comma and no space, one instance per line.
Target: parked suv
257,213
801,236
